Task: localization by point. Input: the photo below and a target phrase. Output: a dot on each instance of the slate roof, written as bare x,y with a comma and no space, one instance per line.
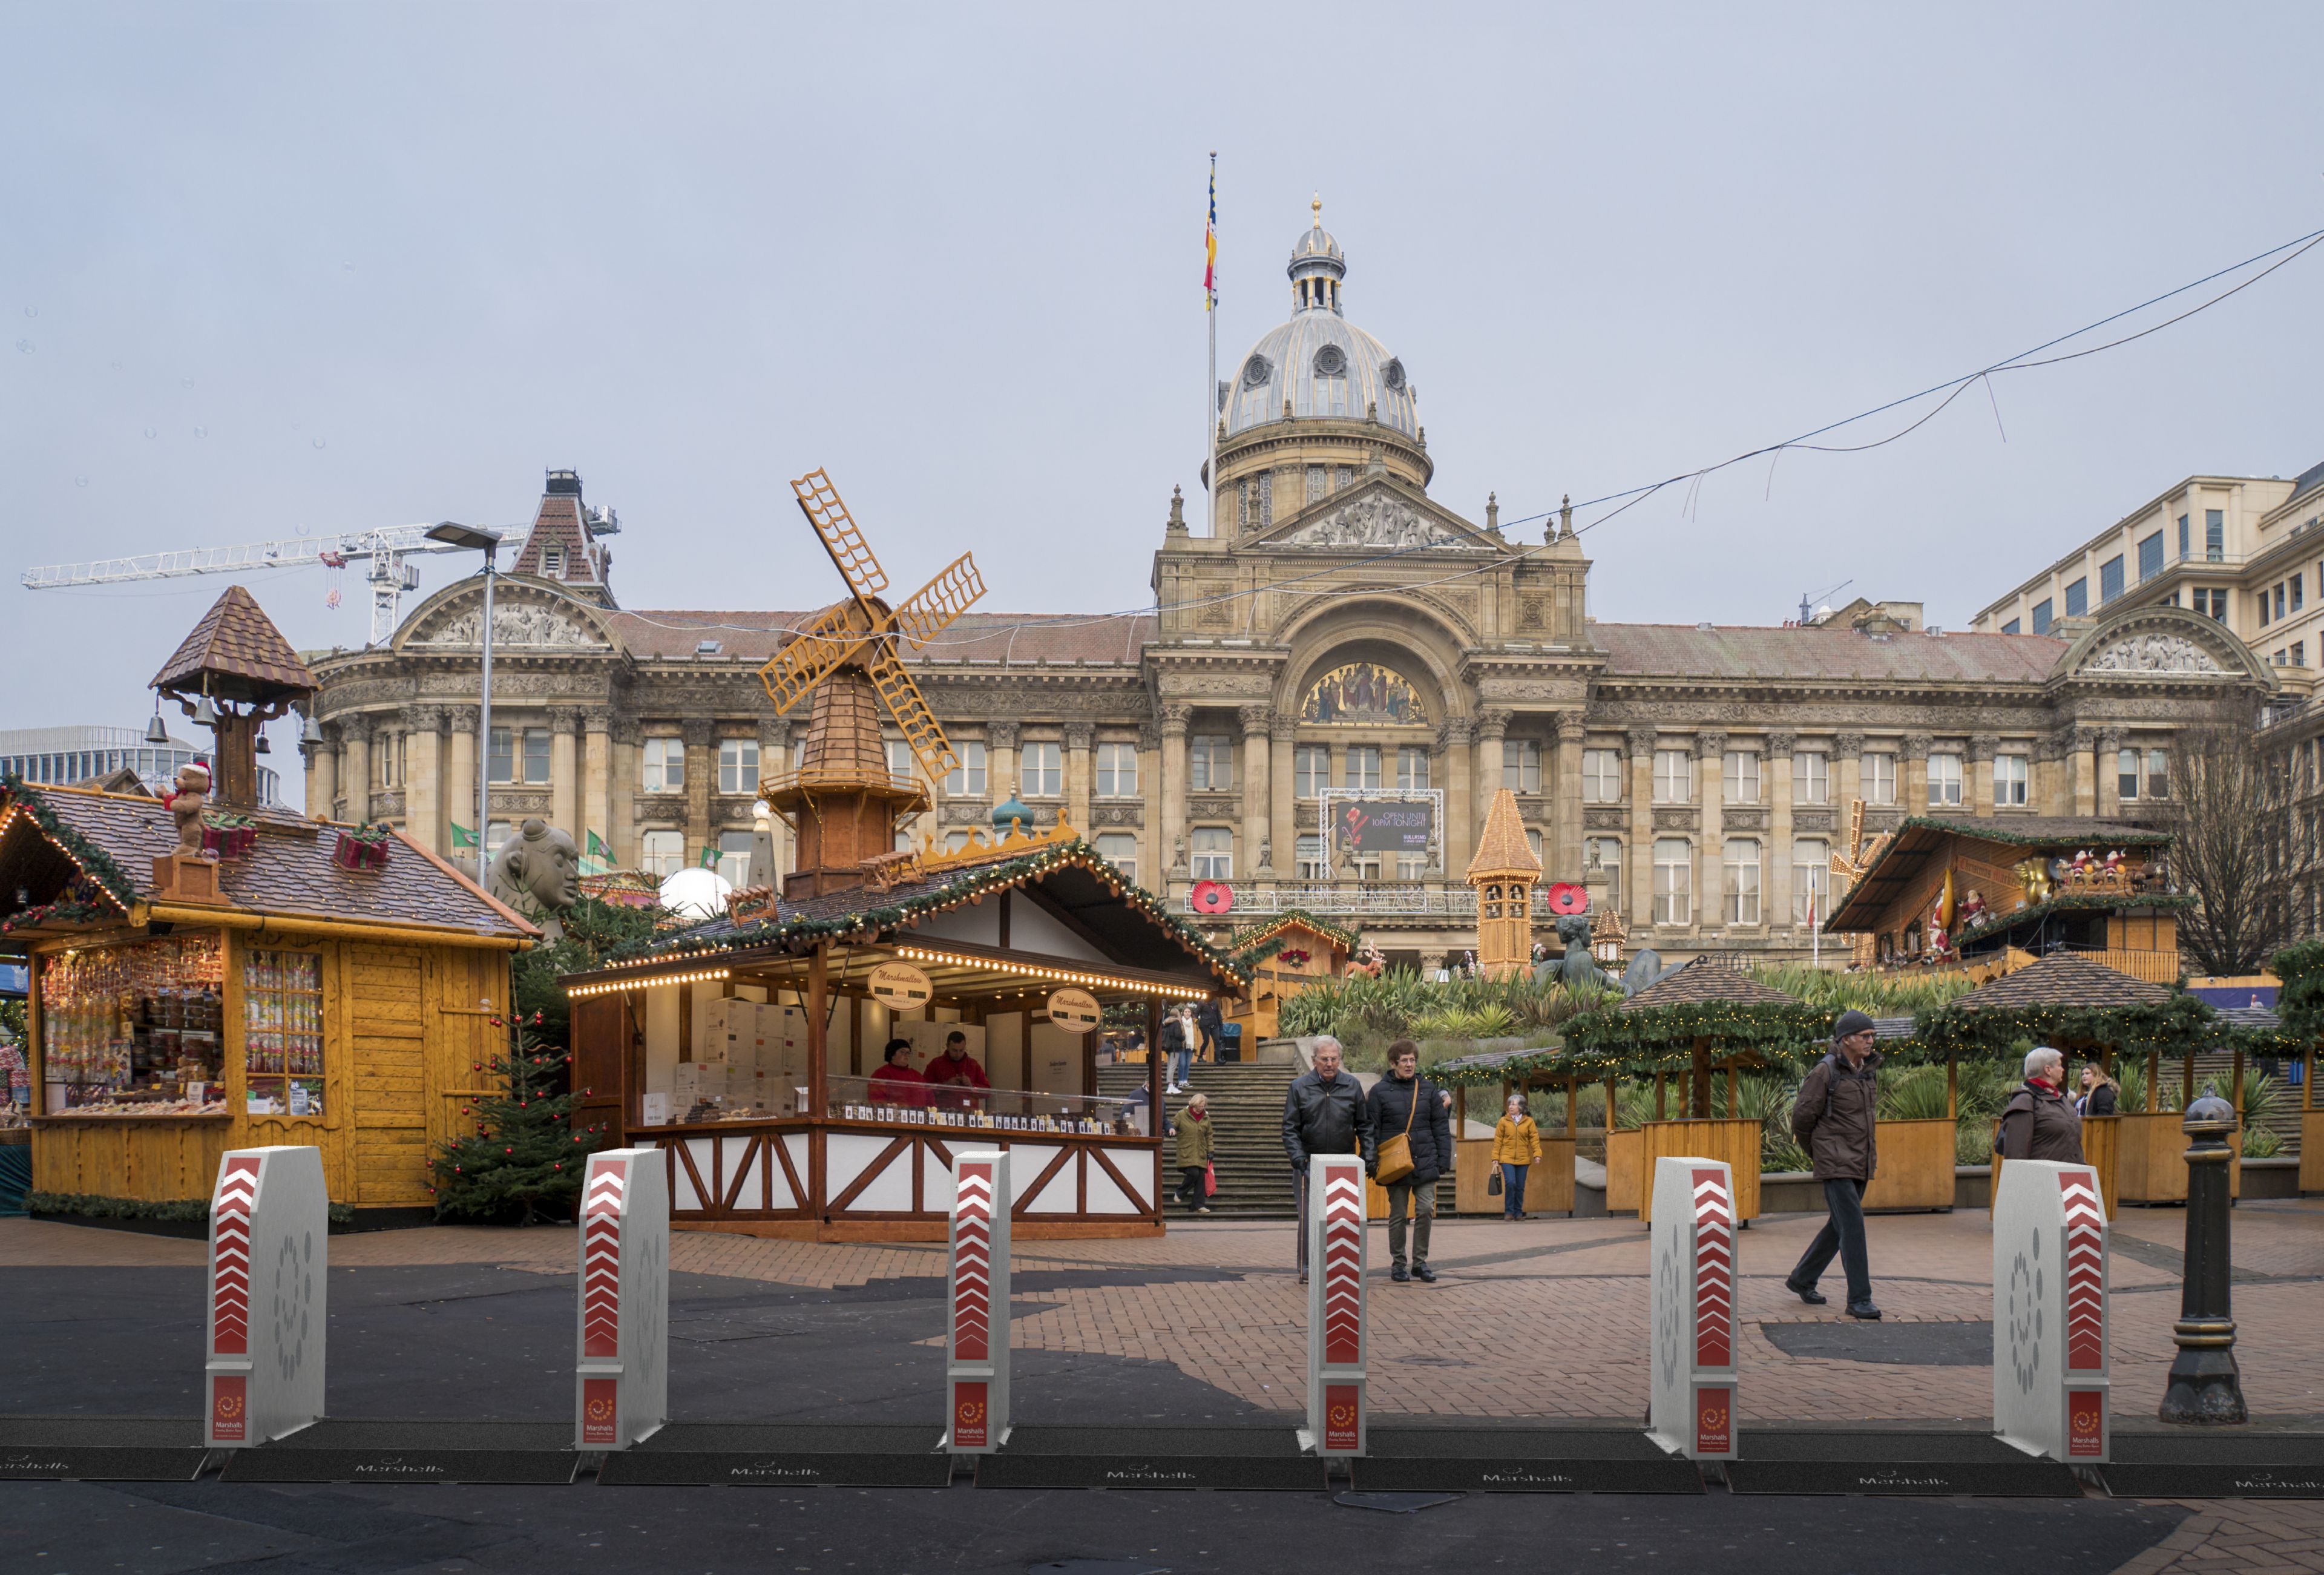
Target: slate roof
2064,979
288,870
1699,981
983,639
243,655
1665,651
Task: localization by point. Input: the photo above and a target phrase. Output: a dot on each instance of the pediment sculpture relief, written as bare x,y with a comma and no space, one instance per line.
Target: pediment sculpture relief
517,625
2153,653
1377,519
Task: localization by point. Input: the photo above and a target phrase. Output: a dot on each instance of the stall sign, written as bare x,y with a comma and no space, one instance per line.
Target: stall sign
901,987
1072,1008
1385,826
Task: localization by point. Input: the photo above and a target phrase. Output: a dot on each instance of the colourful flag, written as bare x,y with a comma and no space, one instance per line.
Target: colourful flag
462,837
709,857
597,848
1210,243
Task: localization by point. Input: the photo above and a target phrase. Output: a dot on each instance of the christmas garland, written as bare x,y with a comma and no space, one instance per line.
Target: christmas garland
1262,942
1610,1042
168,1210
962,888
94,860
2182,1025
2300,1004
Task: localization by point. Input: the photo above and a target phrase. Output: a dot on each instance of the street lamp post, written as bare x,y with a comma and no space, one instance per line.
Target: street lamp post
2206,1388
453,534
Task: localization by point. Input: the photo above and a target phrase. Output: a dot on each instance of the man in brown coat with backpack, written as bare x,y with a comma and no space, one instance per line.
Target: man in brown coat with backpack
1838,1104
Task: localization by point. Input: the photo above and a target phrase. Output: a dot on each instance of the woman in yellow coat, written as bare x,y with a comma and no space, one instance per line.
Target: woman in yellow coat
1516,1148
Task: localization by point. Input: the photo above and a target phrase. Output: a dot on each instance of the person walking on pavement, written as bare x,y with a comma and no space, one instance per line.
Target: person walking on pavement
2039,1122
1517,1149
1324,1112
1834,1116
1195,1146
1397,1102
1174,1047
1208,1021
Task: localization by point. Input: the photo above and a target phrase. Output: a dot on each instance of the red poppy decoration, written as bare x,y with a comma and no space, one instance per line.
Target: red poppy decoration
1566,897
1211,896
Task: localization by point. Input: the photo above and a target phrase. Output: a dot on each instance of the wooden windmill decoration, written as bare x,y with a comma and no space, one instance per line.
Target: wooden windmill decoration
1851,867
1504,872
842,801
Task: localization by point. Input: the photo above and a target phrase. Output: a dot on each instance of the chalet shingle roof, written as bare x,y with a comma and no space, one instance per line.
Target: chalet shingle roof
243,656
288,869
2064,979
1503,850
1699,981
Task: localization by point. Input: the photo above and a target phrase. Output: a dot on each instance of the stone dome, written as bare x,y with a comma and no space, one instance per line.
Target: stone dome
1323,364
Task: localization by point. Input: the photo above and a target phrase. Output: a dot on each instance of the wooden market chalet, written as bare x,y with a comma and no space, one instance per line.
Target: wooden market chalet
751,1047
219,973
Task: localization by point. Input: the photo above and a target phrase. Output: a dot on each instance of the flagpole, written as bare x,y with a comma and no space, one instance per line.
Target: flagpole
1211,384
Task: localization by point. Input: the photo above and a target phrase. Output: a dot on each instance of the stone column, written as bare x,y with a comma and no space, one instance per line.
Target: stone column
1912,787
1711,860
1492,733
1775,872
1153,845
322,772
423,776
1565,802
596,779
774,760
1174,717
1282,815
1458,839
1258,804
1000,759
1847,755
2052,793
2104,772
2083,785
1078,736
627,777
1639,858
565,772
460,806
1982,748
355,765
701,776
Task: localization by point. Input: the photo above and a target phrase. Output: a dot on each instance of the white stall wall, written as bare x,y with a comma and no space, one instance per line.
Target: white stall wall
662,1037
1056,1060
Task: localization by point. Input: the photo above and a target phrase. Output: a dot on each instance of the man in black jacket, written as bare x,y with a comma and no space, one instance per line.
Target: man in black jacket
1407,1105
1834,1116
1323,1112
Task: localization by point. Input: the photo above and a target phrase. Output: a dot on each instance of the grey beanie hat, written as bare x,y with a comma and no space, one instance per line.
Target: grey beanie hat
1851,1021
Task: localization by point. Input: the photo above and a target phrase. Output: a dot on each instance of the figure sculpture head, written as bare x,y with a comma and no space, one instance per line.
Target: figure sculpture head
538,870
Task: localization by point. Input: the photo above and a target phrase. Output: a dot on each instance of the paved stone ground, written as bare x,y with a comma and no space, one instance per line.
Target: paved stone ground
1538,1318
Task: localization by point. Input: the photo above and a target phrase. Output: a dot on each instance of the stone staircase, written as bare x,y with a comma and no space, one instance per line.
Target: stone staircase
1246,1103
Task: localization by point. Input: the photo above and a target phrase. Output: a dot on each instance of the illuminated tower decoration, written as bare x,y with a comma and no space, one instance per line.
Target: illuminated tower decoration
1504,872
842,801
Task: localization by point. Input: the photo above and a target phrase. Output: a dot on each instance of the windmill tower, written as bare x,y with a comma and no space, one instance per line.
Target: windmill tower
1503,872
842,801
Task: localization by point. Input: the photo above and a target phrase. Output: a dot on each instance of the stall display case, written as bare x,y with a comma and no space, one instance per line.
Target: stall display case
135,1029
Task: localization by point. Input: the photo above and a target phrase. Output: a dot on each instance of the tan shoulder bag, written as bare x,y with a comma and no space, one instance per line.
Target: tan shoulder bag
1396,1154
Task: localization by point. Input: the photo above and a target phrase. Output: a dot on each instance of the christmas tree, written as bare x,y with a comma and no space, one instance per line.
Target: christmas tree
523,1165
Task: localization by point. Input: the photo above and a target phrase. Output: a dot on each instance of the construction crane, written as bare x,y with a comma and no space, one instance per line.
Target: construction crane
390,575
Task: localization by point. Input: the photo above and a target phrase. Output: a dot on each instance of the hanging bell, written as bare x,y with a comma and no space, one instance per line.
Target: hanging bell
311,732
263,747
157,732
205,713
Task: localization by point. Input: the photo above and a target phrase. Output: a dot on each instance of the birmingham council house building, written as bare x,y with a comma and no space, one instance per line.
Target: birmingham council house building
1342,673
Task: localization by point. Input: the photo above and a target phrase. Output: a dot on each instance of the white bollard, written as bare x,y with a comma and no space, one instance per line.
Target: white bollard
1691,1411
1337,1425
270,1251
2050,1303
621,1369
976,1352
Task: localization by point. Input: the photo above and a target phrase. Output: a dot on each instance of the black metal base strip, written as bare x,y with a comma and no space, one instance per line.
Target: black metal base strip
332,1451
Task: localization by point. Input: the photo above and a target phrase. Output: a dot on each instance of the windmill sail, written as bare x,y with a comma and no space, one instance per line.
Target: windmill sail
819,501
904,701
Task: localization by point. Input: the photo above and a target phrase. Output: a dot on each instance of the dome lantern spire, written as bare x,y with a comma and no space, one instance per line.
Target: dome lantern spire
1316,266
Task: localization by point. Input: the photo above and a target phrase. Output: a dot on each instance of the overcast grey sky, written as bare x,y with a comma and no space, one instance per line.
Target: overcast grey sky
267,268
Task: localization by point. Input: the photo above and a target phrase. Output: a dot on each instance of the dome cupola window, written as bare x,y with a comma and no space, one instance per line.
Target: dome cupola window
1331,361
1392,374
1257,371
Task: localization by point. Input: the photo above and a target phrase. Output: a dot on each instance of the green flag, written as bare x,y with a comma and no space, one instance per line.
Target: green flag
710,858
597,849
462,837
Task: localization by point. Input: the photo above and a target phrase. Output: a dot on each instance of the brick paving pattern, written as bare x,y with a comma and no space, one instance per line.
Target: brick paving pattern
1546,1318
